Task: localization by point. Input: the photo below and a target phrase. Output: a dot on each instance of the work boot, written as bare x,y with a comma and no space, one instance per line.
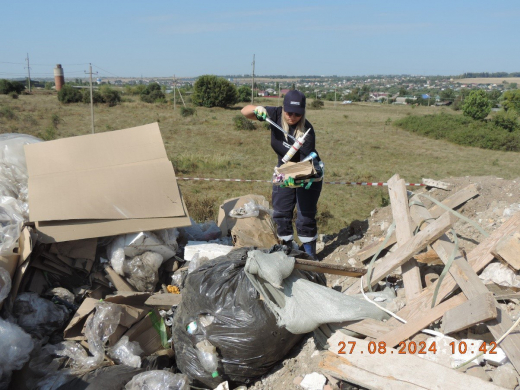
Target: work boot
310,249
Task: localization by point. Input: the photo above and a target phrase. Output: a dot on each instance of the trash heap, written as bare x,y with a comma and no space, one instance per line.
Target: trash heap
106,281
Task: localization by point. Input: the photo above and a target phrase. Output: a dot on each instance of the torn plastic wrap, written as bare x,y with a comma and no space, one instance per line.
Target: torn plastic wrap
142,271
13,169
11,223
38,316
5,284
98,328
250,209
221,305
126,352
158,380
16,346
206,231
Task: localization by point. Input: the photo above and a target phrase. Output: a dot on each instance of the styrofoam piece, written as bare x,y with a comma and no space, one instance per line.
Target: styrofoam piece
204,249
313,381
138,243
496,359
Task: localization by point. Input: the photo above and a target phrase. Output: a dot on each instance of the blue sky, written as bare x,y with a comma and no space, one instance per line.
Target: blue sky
190,38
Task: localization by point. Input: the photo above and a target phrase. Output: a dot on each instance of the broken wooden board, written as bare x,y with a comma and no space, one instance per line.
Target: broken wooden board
388,369
324,268
429,257
370,328
404,231
418,323
393,260
164,301
436,183
507,249
452,201
480,308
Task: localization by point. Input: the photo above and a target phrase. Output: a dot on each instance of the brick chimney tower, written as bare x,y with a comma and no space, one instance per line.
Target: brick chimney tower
59,79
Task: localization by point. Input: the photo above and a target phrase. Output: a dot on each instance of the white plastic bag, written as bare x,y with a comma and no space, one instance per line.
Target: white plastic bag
5,284
16,346
126,352
500,274
249,209
142,271
11,223
158,380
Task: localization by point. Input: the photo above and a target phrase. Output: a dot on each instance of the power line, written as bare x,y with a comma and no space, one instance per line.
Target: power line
115,75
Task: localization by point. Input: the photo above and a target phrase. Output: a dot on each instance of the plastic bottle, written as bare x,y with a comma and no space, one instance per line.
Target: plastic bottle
207,355
295,147
310,157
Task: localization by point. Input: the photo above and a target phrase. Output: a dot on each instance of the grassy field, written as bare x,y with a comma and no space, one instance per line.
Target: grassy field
357,143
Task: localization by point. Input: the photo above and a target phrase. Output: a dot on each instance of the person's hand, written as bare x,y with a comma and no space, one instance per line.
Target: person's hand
260,113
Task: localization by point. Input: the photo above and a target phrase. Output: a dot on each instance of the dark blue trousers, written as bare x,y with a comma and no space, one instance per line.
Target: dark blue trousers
284,201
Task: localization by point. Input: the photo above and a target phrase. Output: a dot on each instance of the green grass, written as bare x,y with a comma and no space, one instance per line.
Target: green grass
361,148
462,130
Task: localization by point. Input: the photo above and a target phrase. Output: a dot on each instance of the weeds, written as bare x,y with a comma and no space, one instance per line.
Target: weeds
190,163
7,113
56,120
187,111
202,209
48,134
242,123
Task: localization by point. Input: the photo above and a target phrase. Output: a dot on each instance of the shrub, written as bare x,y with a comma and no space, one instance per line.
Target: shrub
187,111
462,130
96,96
477,105
242,123
317,104
13,95
68,94
212,91
110,96
244,94
153,94
508,120
512,100
7,86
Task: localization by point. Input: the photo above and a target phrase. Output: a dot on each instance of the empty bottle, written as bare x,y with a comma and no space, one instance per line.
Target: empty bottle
207,355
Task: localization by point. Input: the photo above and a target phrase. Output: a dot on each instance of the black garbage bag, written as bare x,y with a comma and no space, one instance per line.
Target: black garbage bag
243,329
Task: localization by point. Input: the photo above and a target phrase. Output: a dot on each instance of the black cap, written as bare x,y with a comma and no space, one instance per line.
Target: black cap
294,101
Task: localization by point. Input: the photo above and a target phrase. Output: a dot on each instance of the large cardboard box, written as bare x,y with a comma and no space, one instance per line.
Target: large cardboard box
103,184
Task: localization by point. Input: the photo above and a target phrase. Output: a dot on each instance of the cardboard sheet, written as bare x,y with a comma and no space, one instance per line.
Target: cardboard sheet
103,184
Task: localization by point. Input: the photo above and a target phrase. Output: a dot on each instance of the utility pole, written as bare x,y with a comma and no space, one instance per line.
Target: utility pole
174,85
91,98
279,94
334,97
28,72
253,83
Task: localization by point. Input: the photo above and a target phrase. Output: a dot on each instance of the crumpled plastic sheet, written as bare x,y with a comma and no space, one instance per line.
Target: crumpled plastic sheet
196,262
38,316
13,169
500,274
11,222
206,231
249,209
301,306
5,284
142,271
16,346
158,380
126,352
98,329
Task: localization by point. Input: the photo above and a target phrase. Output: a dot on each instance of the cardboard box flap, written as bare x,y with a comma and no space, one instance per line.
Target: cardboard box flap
297,170
122,174
75,326
101,150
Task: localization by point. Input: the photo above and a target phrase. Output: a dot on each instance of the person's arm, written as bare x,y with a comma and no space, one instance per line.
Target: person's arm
254,112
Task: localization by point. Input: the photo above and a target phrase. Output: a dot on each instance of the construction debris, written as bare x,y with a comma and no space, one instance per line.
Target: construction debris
105,280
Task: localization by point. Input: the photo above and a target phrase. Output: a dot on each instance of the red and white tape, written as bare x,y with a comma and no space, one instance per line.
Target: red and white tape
351,183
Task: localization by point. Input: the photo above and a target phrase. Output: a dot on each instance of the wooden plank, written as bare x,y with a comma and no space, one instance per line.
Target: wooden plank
478,258
452,201
164,301
455,200
405,252
508,250
314,266
478,309
404,232
388,369
418,323
429,257
435,183
370,327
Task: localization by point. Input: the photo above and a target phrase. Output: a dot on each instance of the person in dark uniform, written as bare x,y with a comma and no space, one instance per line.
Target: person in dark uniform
291,117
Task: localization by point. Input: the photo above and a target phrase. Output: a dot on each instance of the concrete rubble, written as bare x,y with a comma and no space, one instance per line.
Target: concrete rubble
164,302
